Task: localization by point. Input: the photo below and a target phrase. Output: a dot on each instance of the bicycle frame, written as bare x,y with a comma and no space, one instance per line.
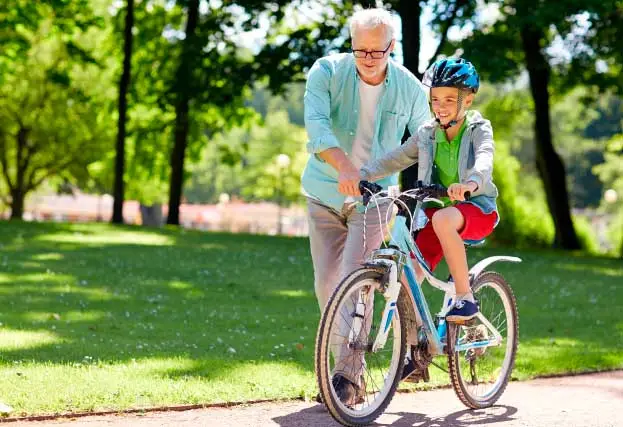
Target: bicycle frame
393,259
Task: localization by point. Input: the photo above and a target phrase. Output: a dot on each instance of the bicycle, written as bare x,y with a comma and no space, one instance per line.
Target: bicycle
374,317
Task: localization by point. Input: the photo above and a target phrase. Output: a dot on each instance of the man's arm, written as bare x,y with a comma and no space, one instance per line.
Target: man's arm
348,175
322,142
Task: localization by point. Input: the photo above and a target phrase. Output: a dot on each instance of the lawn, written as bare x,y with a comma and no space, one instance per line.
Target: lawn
97,317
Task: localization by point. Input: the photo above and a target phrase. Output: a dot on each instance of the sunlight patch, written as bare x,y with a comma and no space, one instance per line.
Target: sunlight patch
66,316
18,340
126,237
180,285
51,256
292,293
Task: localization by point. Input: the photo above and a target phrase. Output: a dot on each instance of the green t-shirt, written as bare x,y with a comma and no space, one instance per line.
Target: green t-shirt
446,164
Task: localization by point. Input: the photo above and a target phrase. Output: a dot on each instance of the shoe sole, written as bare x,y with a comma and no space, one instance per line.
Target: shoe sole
461,319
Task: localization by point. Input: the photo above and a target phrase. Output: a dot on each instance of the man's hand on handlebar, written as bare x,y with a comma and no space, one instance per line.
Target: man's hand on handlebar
348,180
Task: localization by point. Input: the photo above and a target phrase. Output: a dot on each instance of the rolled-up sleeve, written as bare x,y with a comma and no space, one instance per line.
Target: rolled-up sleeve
317,102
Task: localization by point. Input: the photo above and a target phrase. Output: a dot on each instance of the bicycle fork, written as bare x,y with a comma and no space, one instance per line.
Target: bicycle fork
392,289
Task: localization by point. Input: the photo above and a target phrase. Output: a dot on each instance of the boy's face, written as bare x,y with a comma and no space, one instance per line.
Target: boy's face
444,102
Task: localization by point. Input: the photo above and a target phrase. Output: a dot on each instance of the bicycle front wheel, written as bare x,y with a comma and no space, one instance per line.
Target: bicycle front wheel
483,354
347,330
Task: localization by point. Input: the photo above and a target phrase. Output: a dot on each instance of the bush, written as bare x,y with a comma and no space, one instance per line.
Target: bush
586,234
524,217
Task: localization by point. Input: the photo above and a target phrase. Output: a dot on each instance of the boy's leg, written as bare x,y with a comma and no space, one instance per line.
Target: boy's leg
428,243
452,225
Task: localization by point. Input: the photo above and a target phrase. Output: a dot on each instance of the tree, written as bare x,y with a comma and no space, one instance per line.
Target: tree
47,128
124,82
446,14
52,121
526,29
243,162
214,74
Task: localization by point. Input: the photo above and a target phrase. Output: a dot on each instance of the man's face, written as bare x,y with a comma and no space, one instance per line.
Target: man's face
371,40
444,101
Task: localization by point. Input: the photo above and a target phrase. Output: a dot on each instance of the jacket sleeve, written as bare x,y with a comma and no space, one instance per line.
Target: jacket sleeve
396,160
420,112
484,148
317,104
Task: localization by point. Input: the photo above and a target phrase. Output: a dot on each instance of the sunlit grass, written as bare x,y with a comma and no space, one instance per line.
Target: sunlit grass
98,317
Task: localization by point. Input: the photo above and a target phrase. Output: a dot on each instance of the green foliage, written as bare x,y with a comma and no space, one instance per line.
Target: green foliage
243,163
611,174
53,120
523,211
586,234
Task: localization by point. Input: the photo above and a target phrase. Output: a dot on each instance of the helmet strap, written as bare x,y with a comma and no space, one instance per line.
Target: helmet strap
459,113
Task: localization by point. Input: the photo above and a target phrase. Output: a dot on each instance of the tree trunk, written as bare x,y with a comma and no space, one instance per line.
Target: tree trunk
183,94
549,164
17,203
19,188
124,82
410,11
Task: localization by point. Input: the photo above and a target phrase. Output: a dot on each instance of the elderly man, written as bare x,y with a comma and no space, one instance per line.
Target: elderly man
357,106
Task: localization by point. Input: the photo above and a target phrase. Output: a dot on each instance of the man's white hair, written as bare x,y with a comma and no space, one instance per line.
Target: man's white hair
368,19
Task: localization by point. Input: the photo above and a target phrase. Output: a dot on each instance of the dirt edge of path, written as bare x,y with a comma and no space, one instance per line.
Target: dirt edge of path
179,408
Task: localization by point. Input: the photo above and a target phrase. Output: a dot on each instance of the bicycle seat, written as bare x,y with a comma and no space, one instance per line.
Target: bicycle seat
469,243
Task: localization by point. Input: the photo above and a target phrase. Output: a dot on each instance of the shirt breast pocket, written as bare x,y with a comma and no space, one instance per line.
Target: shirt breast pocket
393,125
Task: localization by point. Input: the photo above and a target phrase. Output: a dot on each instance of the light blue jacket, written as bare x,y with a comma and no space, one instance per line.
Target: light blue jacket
475,159
332,115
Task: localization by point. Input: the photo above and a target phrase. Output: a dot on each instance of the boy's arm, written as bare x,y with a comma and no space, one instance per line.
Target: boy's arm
396,160
420,111
484,148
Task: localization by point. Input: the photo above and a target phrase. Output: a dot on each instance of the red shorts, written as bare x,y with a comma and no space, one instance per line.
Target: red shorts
478,225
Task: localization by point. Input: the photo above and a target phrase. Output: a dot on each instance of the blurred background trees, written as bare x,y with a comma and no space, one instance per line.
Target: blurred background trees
170,101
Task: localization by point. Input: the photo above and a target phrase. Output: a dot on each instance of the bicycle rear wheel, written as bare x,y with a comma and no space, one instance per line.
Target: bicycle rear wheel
344,347
480,375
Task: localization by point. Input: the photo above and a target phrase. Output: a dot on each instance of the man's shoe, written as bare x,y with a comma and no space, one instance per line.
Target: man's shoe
408,369
411,373
348,392
462,311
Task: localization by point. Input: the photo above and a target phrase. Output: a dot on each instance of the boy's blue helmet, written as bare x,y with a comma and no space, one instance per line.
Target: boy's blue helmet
451,72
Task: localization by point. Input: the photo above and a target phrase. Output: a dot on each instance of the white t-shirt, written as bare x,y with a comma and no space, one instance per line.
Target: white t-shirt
362,144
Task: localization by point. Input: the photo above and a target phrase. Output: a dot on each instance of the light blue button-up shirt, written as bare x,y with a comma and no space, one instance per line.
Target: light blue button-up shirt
332,115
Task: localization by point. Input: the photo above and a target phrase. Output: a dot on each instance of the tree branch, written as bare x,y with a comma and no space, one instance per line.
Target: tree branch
446,26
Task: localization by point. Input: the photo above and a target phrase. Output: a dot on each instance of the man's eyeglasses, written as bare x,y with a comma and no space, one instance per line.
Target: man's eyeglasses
374,54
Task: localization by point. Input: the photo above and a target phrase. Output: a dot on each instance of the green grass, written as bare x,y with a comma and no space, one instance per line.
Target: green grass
97,317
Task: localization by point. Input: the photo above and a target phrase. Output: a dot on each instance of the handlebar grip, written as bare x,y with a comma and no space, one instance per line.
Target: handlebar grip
367,189
467,195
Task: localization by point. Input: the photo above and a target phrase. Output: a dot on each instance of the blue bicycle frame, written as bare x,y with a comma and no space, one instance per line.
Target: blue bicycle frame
435,334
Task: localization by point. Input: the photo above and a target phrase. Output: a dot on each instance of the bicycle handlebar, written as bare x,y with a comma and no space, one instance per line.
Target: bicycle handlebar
436,191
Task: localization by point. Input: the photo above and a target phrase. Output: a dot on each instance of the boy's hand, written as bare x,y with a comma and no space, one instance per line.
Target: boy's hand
348,179
456,192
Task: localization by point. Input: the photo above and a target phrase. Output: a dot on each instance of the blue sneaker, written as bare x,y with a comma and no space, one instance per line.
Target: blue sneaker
462,311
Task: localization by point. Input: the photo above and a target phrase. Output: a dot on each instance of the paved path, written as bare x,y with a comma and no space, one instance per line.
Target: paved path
594,400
